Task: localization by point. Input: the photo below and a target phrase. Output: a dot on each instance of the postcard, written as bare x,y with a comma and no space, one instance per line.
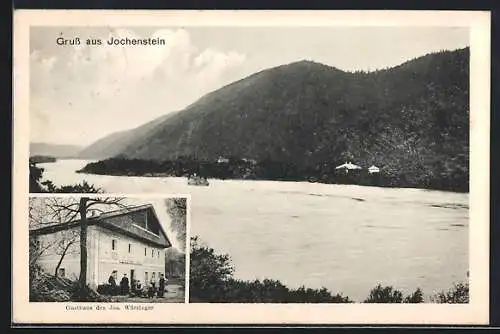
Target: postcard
251,167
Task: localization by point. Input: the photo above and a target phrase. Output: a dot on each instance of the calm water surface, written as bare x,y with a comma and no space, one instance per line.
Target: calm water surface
344,237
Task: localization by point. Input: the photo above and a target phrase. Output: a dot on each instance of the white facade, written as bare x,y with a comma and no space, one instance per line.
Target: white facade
107,250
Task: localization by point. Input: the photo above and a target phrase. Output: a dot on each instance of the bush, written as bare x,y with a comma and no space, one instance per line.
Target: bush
49,288
84,294
458,294
108,289
211,280
415,298
83,187
386,294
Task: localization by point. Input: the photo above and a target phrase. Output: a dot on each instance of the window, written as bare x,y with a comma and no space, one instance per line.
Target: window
113,244
158,255
129,247
152,252
139,219
145,250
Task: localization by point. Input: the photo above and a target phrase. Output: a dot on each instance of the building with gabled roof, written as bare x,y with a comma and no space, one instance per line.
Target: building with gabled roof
128,241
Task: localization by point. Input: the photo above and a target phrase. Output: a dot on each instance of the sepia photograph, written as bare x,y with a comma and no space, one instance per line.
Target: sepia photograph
327,160
334,163
107,249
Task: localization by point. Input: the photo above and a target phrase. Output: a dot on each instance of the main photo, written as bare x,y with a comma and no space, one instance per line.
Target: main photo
325,164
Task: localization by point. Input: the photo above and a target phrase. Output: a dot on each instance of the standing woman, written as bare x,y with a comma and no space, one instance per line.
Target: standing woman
161,286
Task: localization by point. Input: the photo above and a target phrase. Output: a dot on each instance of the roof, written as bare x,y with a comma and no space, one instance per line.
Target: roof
125,226
348,166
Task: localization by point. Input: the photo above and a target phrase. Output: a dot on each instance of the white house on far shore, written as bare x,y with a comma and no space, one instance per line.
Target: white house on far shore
373,169
348,166
129,241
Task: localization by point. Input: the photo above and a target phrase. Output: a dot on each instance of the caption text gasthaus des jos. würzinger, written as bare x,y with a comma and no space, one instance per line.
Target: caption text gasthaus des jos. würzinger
109,307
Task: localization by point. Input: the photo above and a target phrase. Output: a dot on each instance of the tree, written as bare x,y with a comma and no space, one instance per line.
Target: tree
211,280
386,294
42,212
458,294
175,262
83,187
176,209
64,245
79,207
35,178
415,298
209,272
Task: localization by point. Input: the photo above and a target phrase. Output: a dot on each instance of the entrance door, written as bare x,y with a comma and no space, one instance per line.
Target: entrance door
132,278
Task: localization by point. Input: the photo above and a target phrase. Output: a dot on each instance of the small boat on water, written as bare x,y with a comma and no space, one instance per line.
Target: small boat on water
195,180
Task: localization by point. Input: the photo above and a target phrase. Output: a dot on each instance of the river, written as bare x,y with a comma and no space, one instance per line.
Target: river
344,237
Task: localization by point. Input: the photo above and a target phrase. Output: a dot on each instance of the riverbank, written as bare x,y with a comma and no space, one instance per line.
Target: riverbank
240,169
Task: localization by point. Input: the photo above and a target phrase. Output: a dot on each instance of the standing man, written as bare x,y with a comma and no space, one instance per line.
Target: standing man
124,285
153,286
161,286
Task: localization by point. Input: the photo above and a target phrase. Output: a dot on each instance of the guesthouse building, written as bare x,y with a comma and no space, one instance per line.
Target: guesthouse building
127,241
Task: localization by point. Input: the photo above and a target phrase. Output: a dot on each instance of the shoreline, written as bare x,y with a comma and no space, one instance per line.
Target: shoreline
387,176
165,175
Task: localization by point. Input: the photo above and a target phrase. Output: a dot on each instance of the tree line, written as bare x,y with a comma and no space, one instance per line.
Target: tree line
438,175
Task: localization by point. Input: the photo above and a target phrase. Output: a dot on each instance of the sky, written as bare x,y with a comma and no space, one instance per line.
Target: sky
39,204
79,94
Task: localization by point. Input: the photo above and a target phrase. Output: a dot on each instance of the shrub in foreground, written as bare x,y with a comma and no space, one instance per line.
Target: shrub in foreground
211,280
458,294
387,294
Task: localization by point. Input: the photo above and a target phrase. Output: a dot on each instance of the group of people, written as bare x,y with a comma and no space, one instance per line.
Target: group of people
150,289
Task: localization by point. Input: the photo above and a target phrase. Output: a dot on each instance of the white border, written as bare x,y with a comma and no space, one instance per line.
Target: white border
476,312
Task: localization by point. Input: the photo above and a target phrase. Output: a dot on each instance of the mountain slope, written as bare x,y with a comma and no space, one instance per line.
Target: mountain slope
411,119
115,143
54,150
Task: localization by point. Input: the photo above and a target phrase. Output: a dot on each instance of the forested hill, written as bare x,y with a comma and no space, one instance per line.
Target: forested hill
411,120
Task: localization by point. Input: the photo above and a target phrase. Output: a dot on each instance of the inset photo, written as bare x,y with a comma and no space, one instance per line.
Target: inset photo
107,248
